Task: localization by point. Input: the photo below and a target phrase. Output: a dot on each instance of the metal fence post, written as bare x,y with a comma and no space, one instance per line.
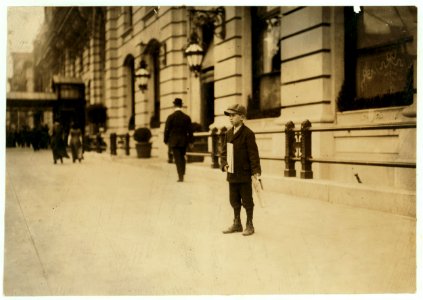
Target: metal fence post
306,171
215,149
289,150
113,145
127,144
98,141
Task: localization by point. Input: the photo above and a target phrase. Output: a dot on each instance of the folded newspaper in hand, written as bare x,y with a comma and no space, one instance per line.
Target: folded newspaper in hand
258,188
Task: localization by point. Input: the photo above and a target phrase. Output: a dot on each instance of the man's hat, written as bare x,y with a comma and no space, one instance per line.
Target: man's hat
236,109
177,102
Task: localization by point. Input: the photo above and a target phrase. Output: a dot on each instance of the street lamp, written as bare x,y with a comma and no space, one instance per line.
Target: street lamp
194,54
199,18
143,75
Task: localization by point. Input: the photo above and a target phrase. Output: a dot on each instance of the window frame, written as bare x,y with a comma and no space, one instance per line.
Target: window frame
259,16
347,99
127,20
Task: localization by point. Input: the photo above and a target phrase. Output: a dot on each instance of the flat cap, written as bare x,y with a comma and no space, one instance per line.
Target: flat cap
236,109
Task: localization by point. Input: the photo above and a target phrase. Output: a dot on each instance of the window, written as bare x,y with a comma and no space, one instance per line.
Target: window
150,11
81,61
266,60
127,19
379,44
155,119
153,50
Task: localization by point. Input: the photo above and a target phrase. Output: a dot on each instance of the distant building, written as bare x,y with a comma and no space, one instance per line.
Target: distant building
21,108
328,65
23,72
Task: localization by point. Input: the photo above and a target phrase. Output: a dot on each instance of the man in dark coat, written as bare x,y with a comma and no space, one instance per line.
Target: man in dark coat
178,135
240,159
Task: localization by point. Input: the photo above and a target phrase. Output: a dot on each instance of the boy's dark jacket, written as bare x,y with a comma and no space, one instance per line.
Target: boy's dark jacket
246,155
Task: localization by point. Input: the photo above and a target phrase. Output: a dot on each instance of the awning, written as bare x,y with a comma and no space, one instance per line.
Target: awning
57,79
31,96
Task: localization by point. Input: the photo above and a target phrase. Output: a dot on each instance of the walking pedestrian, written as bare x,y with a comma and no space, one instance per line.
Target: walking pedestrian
240,159
75,142
11,136
45,138
19,139
178,135
58,145
26,136
35,137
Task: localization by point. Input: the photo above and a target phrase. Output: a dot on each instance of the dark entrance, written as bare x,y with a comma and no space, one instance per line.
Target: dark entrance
207,105
207,78
70,105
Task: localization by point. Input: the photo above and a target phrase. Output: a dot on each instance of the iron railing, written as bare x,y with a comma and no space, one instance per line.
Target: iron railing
119,141
298,147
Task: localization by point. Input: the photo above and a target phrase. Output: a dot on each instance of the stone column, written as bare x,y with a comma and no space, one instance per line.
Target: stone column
306,70
111,97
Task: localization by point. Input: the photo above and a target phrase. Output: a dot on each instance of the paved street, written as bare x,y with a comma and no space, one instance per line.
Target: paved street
126,227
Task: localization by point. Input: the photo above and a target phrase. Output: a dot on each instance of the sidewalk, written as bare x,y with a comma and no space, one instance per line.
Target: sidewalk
126,227
381,198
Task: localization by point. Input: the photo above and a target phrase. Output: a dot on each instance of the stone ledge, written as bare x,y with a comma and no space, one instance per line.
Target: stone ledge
390,200
395,201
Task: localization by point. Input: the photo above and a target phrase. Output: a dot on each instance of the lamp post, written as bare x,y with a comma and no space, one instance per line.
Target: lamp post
143,75
195,54
199,18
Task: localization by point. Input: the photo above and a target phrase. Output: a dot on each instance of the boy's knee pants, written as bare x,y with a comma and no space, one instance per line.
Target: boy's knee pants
241,194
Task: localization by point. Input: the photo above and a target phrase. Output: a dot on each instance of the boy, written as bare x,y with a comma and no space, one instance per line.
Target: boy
240,159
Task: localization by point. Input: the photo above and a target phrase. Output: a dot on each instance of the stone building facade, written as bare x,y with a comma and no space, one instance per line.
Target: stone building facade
329,65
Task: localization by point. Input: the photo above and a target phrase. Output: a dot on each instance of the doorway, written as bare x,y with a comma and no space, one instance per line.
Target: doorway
207,98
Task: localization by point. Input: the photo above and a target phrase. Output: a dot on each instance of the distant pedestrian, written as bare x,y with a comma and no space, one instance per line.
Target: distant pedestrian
75,142
178,135
26,136
240,159
99,141
11,136
19,139
45,138
35,137
58,144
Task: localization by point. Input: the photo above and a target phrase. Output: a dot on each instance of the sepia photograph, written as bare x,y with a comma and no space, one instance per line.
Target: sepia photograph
242,150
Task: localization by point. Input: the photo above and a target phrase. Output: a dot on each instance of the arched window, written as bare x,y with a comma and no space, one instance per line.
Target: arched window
129,95
380,46
266,63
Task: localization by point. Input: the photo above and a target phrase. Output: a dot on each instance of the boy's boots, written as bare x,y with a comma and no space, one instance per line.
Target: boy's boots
236,226
249,229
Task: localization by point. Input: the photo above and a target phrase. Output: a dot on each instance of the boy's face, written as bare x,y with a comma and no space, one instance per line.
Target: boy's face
236,119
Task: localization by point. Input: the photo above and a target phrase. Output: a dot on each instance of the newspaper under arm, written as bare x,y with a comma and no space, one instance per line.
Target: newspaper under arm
230,157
